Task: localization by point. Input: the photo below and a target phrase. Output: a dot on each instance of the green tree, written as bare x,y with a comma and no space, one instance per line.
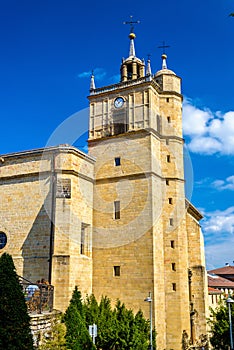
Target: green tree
125,319
141,329
15,330
219,323
118,328
103,316
77,335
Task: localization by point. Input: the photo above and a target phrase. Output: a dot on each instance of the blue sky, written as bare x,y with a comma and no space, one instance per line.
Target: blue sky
48,49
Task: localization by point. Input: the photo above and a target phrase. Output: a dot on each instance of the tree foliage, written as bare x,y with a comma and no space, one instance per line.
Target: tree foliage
219,323
15,330
77,335
117,328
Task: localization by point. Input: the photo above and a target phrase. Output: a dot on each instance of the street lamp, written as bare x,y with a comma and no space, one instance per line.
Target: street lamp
149,300
229,301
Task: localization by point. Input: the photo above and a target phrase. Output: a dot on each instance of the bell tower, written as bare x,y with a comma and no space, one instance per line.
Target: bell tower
132,67
141,238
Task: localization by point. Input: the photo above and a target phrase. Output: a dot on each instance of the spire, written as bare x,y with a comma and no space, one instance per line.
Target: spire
132,46
132,36
164,62
148,69
92,82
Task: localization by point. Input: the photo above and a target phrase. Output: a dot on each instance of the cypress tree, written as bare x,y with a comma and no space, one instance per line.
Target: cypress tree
15,330
77,335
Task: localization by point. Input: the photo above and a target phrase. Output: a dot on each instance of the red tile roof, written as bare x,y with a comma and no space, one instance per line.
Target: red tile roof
226,270
217,281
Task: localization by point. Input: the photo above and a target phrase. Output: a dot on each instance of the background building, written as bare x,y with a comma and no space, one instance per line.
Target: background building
220,284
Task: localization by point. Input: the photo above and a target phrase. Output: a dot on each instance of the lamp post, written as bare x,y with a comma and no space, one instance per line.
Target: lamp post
229,301
149,300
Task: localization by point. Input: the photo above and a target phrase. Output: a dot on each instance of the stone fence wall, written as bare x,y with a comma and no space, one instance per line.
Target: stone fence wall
41,325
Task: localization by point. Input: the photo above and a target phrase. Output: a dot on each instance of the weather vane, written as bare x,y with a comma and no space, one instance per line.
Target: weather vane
163,46
131,22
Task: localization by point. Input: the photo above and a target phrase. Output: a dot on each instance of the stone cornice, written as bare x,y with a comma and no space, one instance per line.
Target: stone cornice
193,211
141,175
48,150
45,174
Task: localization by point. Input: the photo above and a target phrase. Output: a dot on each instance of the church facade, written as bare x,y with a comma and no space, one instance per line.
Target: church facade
114,221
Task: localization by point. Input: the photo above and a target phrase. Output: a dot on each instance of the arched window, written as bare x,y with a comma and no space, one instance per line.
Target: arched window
3,240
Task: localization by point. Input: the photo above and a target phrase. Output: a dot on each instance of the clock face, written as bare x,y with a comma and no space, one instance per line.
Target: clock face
119,101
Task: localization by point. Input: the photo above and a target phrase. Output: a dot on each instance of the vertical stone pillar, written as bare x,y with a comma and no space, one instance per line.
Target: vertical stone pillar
134,70
124,73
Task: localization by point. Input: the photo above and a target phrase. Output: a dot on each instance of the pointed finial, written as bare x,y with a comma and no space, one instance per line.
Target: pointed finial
148,69
132,46
164,61
164,56
92,82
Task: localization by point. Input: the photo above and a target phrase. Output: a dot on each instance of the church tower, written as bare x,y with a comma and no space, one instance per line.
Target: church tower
146,236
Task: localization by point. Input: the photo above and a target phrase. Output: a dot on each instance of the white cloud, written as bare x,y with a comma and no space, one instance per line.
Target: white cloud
99,74
219,222
218,228
207,132
204,145
84,75
217,254
227,184
195,120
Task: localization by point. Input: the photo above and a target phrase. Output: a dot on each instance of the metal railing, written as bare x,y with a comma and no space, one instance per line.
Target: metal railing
38,296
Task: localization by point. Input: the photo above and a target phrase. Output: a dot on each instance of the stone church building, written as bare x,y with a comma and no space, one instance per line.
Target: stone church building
114,221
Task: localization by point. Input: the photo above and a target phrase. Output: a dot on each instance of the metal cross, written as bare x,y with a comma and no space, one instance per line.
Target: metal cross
163,46
131,22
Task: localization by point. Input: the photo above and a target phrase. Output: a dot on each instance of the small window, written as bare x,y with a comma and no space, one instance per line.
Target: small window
167,182
170,200
117,210
174,286
3,240
173,267
82,240
167,99
167,142
168,119
116,270
173,244
85,239
117,161
171,221
168,158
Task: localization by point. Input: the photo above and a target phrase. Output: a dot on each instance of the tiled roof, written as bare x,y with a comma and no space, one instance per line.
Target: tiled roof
217,281
226,270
